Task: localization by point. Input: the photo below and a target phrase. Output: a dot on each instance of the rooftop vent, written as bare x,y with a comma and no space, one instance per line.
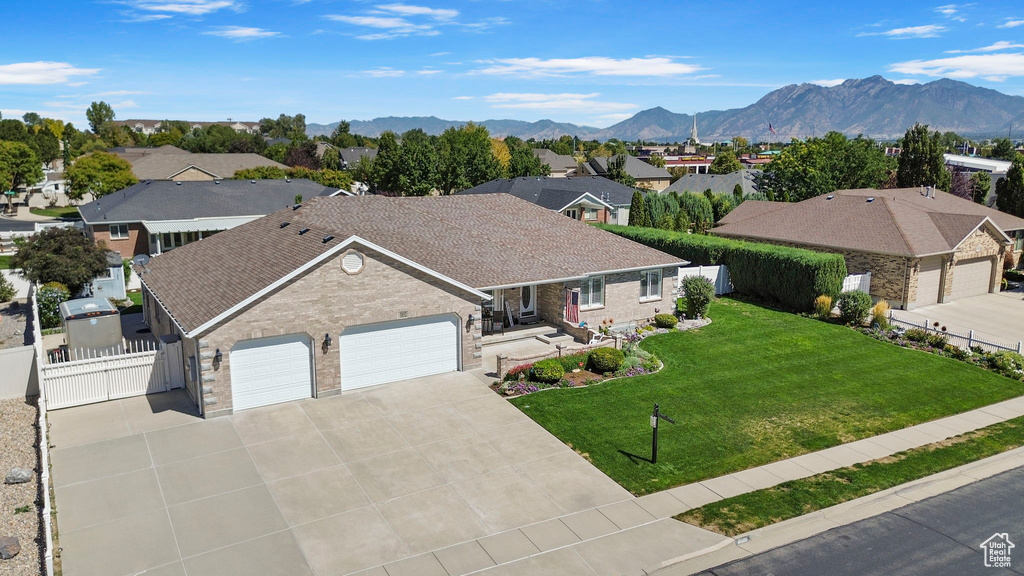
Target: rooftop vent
178,183
830,196
287,179
296,206
303,231
283,224
327,239
252,181
871,198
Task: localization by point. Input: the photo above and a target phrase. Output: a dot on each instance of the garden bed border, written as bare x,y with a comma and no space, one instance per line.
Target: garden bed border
506,363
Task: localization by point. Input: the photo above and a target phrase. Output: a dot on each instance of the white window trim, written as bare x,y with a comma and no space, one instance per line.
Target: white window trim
575,213
647,297
590,305
597,213
112,227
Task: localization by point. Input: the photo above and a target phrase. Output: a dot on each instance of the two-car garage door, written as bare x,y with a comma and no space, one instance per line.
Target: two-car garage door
389,351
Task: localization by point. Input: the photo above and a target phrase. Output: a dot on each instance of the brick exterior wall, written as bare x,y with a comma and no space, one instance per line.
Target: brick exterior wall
622,298
325,301
136,243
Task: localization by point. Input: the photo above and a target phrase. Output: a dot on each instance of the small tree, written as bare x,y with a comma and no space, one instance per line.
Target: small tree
617,171
638,214
725,163
7,291
62,255
98,114
698,292
98,174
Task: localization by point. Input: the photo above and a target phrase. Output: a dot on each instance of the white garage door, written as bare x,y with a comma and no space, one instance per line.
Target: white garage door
928,276
389,351
271,370
971,277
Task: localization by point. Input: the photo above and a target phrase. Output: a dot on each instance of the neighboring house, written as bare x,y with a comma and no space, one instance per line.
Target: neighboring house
51,191
561,165
154,126
996,168
348,292
351,156
156,216
192,167
132,153
921,246
716,182
646,175
587,198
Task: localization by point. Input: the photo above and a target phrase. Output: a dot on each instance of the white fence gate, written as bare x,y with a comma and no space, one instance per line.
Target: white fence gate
860,282
718,275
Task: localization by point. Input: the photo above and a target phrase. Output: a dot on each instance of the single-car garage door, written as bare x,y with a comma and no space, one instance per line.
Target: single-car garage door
928,276
972,277
271,370
378,353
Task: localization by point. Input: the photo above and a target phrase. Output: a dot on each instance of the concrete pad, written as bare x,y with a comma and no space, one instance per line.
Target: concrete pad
757,478
626,514
572,482
432,519
937,430
375,571
558,563
125,546
589,524
225,519
506,499
207,476
981,418
787,470
99,460
317,495
273,555
174,569
422,565
871,450
694,495
1002,410
726,486
894,443
488,412
662,504
272,423
461,458
918,437
338,411
531,443
293,456
456,386
550,535
843,455
647,546
992,466
464,558
99,501
393,475
816,463
193,440
957,424
87,424
508,546
365,439
399,397
348,542
157,411
430,425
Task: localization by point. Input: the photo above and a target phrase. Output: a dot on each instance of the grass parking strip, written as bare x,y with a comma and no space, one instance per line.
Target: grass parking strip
754,510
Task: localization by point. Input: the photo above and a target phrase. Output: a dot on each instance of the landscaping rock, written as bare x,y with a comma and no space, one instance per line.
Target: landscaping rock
9,547
18,476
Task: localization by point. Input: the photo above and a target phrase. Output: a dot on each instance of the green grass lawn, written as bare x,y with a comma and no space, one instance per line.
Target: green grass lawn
5,262
65,212
756,386
136,307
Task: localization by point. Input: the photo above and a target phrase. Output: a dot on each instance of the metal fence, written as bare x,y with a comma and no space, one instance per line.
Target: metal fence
965,341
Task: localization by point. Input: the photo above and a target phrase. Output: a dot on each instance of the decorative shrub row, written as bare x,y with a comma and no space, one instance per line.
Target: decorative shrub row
790,277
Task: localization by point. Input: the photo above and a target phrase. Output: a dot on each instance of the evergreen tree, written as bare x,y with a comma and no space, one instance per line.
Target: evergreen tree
921,162
1010,190
981,183
638,215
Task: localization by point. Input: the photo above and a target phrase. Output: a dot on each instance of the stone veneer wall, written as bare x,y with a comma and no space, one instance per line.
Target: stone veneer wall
622,298
982,243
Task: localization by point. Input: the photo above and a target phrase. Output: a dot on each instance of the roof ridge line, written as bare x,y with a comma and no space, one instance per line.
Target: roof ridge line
896,224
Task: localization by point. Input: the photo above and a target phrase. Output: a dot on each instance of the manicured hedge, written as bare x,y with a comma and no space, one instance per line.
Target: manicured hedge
791,277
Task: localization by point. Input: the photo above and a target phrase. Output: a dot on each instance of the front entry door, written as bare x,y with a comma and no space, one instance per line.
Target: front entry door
528,300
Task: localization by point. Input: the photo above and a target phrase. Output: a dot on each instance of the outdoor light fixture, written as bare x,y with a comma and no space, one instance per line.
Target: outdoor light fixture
471,320
217,357
327,343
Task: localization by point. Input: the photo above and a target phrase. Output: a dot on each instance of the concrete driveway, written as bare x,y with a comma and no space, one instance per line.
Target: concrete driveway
998,318
328,486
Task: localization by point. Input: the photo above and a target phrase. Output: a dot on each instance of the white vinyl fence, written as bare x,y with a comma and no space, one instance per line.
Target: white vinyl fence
860,282
718,275
965,341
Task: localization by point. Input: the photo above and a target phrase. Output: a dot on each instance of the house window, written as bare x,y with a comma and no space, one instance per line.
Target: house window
650,285
573,213
592,292
56,187
118,231
590,214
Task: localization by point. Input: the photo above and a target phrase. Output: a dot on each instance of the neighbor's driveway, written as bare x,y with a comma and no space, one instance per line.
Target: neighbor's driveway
330,486
995,317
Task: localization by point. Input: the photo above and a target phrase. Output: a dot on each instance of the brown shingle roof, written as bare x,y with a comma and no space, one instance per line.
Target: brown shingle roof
902,221
166,166
481,241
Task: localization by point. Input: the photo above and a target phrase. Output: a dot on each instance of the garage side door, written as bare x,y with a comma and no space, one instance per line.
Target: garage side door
271,370
971,277
928,276
378,353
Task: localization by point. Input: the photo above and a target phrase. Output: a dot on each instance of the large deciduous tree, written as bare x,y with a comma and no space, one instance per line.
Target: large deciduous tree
98,174
725,163
822,165
465,158
62,255
18,166
921,162
99,114
522,161
417,164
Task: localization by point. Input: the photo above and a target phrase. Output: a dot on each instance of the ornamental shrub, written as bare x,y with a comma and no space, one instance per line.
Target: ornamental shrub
49,297
880,315
548,371
854,307
789,277
606,360
916,335
665,320
1008,364
7,290
938,341
823,307
698,292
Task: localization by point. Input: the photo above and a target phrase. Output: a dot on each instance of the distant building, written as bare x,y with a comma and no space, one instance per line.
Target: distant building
646,175
724,183
153,126
997,168
694,140
351,156
562,165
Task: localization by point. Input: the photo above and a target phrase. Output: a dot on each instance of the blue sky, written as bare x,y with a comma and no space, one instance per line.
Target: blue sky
588,61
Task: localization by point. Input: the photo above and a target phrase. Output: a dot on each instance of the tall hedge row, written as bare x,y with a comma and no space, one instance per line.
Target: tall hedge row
791,277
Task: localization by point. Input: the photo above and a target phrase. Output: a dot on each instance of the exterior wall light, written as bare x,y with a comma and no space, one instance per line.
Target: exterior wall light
327,343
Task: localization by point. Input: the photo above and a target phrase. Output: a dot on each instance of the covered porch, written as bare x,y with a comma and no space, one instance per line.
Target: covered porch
166,235
519,307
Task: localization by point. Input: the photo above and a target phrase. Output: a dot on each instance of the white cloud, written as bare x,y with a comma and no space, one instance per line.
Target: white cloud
41,73
134,18
592,65
828,83
1011,23
929,31
952,11
906,81
1001,45
462,98
241,33
485,24
397,20
993,67
409,10
428,72
440,53
575,102
395,26
186,7
123,104
384,72
109,93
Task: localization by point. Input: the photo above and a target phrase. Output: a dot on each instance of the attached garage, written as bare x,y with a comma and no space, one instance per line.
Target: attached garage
928,279
389,351
271,370
972,277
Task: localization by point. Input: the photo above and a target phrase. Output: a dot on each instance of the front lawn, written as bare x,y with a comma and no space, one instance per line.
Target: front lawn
65,212
756,386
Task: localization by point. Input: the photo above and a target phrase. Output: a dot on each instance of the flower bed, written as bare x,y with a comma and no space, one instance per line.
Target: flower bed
1009,364
578,371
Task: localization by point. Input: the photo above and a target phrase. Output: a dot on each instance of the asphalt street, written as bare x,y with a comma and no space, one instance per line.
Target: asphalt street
935,537
12,225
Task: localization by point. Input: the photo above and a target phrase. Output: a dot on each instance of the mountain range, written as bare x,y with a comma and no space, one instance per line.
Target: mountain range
875,107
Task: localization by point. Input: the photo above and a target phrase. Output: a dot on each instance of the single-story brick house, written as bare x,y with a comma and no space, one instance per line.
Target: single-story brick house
587,198
646,175
346,292
157,216
921,246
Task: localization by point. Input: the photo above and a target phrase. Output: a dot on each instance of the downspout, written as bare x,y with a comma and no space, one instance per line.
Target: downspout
903,288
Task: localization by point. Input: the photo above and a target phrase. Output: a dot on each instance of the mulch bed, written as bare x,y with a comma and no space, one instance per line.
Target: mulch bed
582,377
19,448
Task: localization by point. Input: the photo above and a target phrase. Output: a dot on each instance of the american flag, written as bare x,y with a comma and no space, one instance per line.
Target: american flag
771,129
572,306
